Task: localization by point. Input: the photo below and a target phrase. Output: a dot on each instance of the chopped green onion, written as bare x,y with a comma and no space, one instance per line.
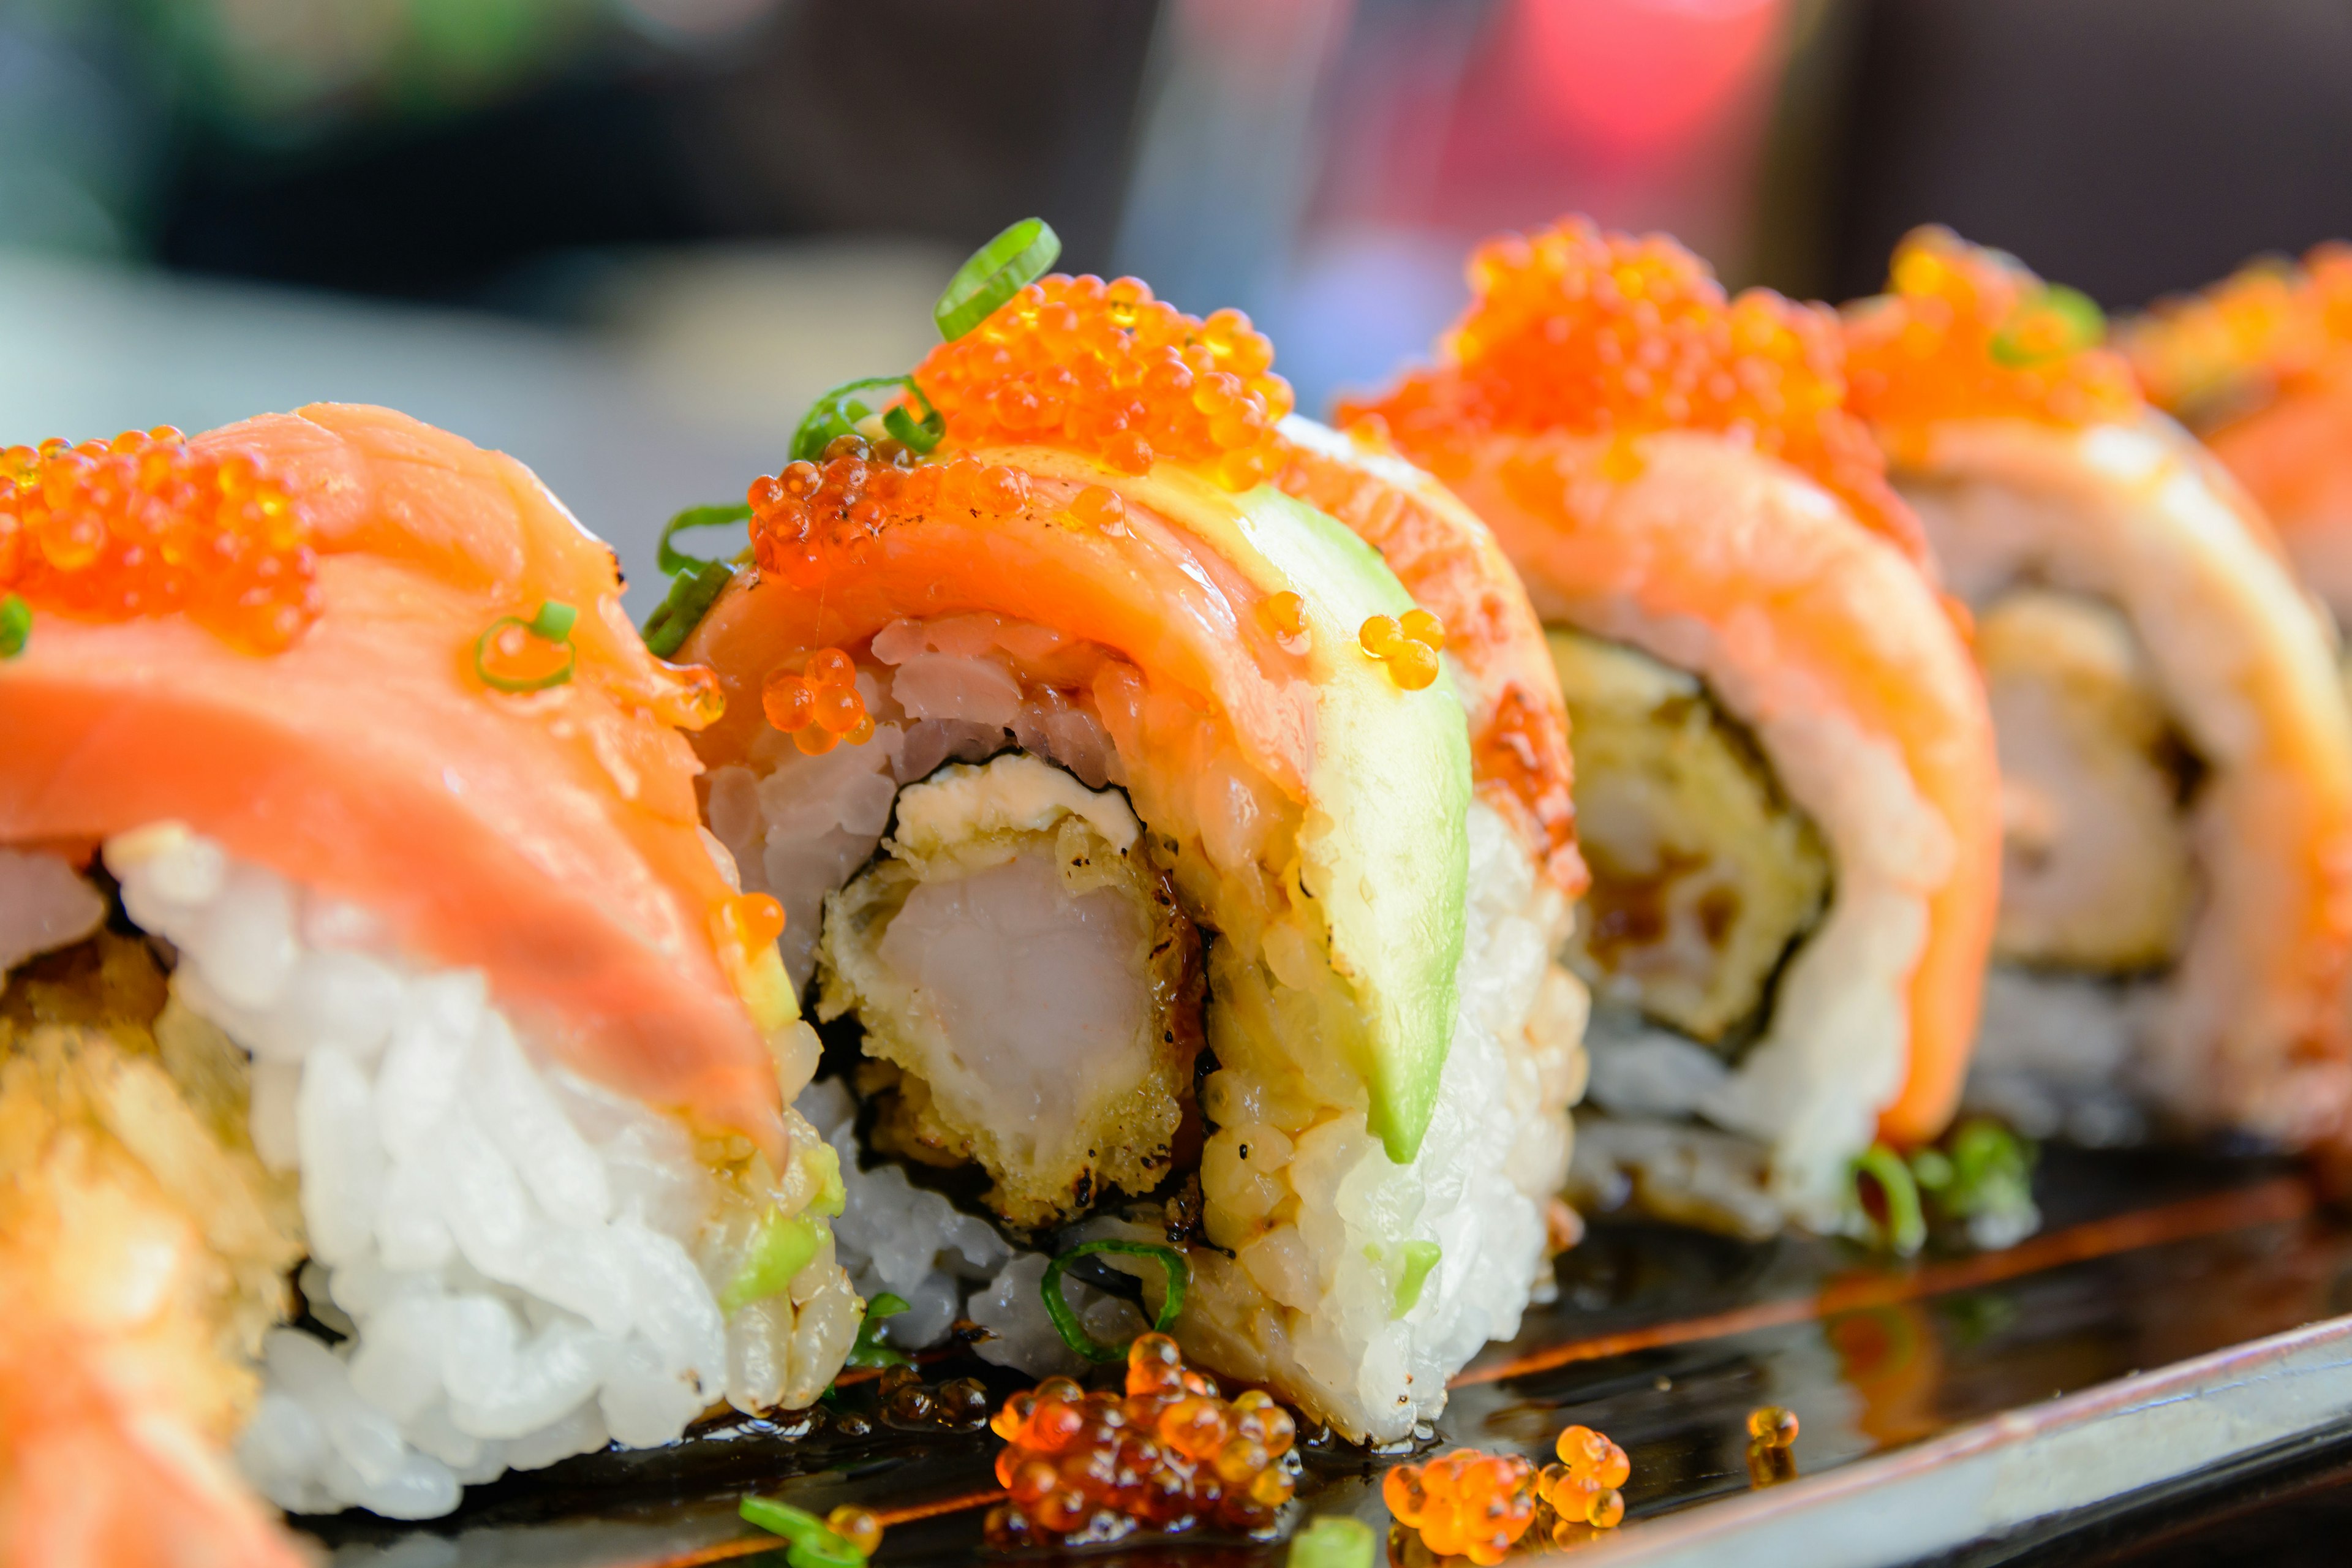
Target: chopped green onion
1333,1540
2026,339
1419,1257
551,622
1904,1229
672,560
691,594
554,620
868,1349
918,436
695,582
815,1543
839,412
15,625
997,271
1993,1176
780,1249
1065,1321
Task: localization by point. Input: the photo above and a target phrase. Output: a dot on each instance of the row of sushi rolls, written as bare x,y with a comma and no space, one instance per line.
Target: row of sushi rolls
1118,872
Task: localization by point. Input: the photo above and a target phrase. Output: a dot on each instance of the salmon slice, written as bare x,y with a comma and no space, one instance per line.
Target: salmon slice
1815,612
1674,467
548,837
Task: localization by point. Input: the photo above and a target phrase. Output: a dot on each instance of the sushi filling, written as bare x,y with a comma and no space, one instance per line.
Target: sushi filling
1704,876
1012,937
510,1264
2099,882
1028,988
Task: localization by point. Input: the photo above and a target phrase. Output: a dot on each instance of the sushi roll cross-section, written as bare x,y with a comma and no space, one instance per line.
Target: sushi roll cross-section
365,962
1784,773
2260,365
2176,752
1122,805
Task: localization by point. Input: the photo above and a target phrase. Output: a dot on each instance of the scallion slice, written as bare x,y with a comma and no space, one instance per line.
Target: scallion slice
838,414
2048,326
997,271
695,582
1065,1321
815,1543
550,623
1904,1229
15,625
868,1349
918,434
671,560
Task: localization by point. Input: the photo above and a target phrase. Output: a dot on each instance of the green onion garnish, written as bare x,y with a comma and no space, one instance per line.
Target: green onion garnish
550,623
1419,1257
840,412
2047,326
997,271
815,1543
671,560
695,582
1904,1229
1333,1540
868,1349
15,625
1065,1321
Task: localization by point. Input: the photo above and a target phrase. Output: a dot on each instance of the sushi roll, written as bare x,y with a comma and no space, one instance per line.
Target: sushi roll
1784,771
2260,366
1123,812
358,927
2176,753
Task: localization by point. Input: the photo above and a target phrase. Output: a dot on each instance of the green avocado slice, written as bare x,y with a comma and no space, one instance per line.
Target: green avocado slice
1386,844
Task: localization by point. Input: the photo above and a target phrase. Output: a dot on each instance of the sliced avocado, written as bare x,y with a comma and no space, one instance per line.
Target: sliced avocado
1385,846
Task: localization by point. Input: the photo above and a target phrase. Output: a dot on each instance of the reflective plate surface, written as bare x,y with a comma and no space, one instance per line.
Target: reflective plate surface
1953,1408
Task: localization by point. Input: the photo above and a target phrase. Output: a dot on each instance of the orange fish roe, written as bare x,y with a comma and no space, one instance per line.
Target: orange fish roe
1465,1503
842,504
1773,1424
1573,329
1107,370
819,705
1964,332
1584,1484
1171,1456
145,525
2270,324
1408,646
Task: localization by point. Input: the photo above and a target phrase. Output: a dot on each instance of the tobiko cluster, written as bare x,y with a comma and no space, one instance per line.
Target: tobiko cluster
148,525
1171,1455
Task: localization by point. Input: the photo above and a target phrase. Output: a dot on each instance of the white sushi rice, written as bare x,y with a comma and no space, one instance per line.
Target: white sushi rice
1309,1304
527,1265
1314,1300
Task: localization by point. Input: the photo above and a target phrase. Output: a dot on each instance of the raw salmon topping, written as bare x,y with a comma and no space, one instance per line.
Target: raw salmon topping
840,506
145,525
1107,370
1574,328
2272,323
1966,332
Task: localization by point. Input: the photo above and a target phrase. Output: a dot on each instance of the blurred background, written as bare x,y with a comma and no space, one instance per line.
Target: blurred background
629,240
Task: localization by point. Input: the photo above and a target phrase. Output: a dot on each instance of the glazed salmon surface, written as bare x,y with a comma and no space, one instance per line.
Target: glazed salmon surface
549,837
1154,592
